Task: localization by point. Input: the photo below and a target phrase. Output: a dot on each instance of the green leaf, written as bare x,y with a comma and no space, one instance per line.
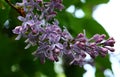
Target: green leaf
96,2
92,27
67,3
88,7
73,71
101,65
47,68
73,24
4,13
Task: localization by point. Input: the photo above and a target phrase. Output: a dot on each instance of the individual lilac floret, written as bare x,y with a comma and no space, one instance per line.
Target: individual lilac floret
18,31
39,1
66,36
98,38
57,4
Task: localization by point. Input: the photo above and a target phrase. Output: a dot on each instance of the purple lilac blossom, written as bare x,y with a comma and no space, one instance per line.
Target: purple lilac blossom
51,40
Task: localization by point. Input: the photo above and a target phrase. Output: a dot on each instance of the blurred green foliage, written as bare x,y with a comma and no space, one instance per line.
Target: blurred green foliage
15,61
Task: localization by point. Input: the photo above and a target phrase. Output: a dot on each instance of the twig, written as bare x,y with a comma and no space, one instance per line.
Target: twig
20,10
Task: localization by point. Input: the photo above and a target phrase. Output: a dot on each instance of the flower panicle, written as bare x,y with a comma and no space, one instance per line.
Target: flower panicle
51,40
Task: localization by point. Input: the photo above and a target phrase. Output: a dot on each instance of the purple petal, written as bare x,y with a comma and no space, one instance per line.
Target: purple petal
18,37
21,18
17,30
59,45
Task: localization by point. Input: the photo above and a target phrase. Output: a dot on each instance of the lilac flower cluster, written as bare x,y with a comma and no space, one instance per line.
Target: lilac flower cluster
97,45
40,28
